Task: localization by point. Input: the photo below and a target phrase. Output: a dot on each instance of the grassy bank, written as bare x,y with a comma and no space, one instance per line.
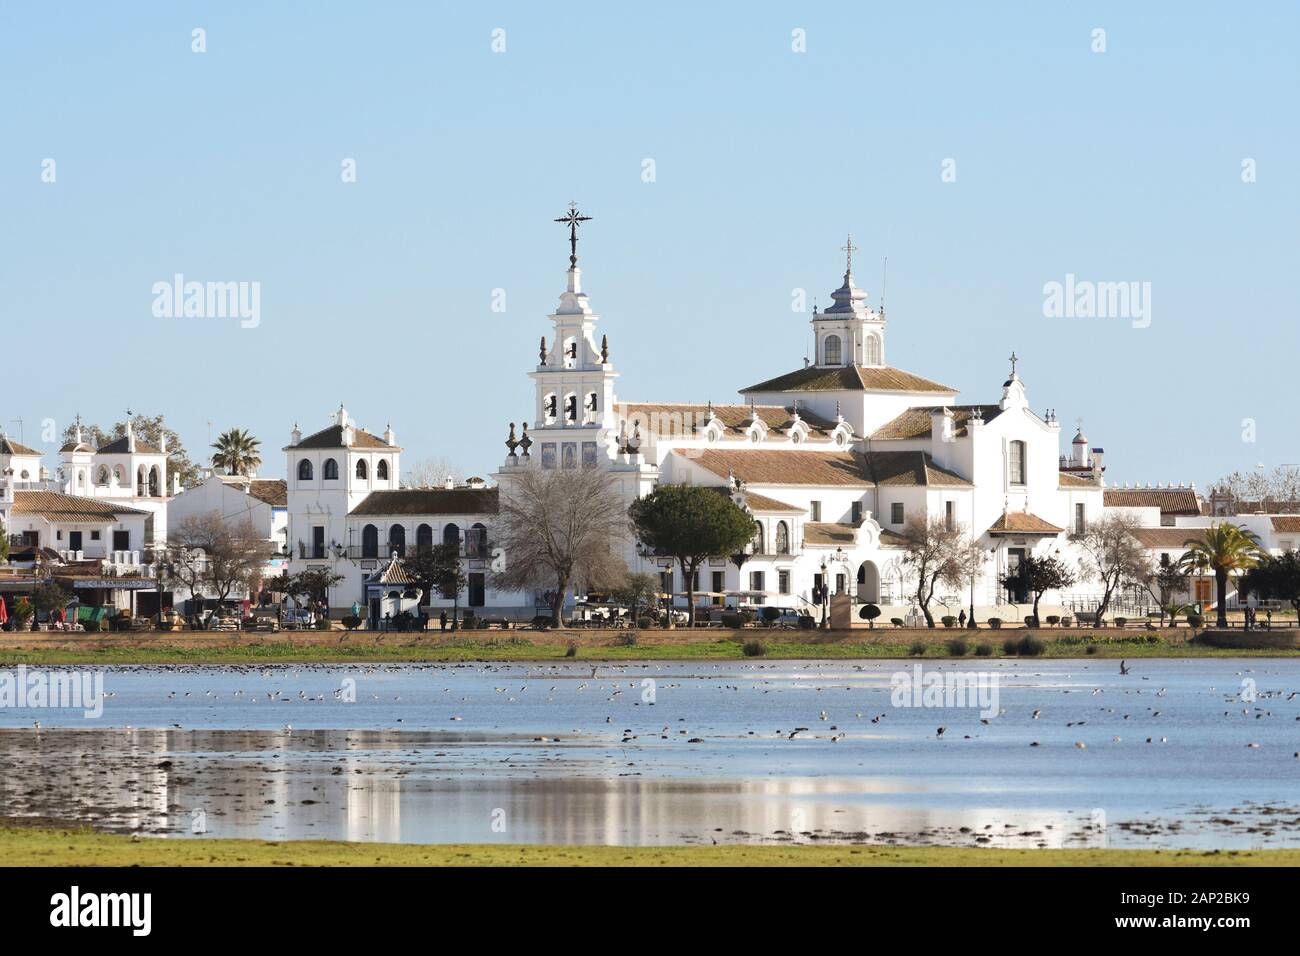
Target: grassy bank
29,846
52,649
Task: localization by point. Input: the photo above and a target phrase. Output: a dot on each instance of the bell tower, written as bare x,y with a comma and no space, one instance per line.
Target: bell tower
573,417
849,332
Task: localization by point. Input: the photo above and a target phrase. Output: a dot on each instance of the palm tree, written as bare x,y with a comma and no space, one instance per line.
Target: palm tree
237,452
1224,549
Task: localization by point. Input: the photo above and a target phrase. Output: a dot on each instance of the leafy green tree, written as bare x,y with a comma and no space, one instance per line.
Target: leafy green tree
438,569
1276,578
1113,556
1223,549
237,451
48,599
691,524
638,589
1165,585
1037,575
869,613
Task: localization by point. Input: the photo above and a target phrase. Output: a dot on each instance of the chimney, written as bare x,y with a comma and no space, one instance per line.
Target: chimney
295,436
162,442
389,437
1097,468
449,482
130,438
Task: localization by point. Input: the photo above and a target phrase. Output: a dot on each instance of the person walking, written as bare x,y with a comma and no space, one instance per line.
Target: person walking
442,621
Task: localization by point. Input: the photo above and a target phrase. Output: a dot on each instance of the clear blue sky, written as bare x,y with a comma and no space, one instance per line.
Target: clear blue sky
1118,166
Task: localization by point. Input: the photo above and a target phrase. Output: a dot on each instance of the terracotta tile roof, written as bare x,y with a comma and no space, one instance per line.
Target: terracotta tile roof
841,468
675,420
1067,480
769,467
122,446
891,539
10,447
429,501
393,573
76,446
332,437
273,491
1171,538
828,533
757,502
1022,522
915,422
1170,501
56,506
910,469
848,378
1289,524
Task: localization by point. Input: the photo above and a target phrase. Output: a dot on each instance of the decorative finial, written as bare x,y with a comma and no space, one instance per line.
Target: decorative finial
511,442
541,352
525,442
1014,360
849,248
571,219
604,349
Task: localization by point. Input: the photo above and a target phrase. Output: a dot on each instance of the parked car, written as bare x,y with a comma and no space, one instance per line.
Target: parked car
298,617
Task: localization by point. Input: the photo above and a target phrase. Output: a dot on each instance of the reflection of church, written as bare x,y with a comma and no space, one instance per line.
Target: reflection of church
831,458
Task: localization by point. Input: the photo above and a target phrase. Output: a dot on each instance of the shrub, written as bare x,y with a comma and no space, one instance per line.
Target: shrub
983,649
1031,621
806,622
351,622
91,625
949,620
1195,620
770,615
917,649
1053,620
1090,649
1030,646
571,650
627,639
995,622
1121,621
957,647
896,621
753,648
1066,620
1246,640
732,619
1010,647
644,622
322,624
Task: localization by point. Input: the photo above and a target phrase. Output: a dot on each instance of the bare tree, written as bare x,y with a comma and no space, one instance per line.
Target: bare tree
431,473
933,553
210,555
558,528
1113,556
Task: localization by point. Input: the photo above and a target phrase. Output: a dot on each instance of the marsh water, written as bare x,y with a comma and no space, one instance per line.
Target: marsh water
1177,753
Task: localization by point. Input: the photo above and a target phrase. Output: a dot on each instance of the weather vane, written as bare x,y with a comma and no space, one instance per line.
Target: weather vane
571,219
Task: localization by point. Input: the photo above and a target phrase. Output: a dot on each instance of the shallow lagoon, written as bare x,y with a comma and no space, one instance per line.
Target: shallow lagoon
549,753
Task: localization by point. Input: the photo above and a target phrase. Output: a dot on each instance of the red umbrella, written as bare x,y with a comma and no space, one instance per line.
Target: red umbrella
4,612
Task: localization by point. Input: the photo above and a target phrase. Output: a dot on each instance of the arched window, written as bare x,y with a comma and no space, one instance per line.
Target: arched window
451,535
873,350
154,482
140,482
782,538
476,541
758,538
423,538
831,350
330,471
119,475
397,539
370,541
362,469
1016,463
304,470
381,470
102,478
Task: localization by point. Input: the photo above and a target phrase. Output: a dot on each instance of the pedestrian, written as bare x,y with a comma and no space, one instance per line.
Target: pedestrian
442,621
961,618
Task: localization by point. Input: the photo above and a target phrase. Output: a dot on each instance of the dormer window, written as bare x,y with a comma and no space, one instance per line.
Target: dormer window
831,351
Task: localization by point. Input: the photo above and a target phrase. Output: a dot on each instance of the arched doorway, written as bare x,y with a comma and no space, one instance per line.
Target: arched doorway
868,583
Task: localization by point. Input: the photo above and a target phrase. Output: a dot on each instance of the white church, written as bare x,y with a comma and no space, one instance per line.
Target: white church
831,459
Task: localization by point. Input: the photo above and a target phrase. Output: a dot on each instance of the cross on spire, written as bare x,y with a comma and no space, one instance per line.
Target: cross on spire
1014,360
849,248
572,218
